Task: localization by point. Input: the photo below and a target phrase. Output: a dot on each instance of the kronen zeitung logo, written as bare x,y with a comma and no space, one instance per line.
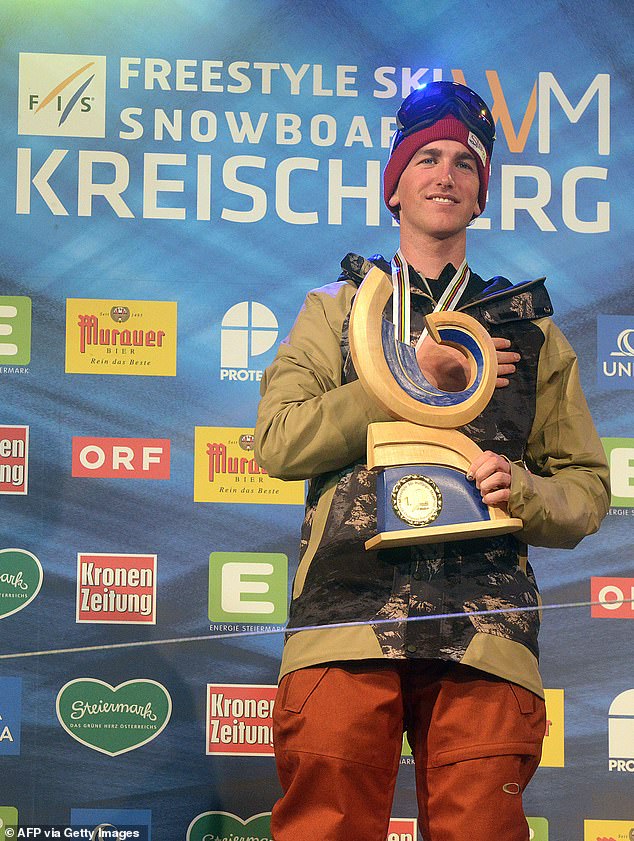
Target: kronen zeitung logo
21,577
14,460
240,719
113,719
121,337
116,588
185,181
225,470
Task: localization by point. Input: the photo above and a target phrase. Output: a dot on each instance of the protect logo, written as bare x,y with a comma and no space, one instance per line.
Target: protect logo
99,341
553,751
20,580
62,95
248,329
116,589
15,330
615,351
225,470
121,458
113,719
621,733
240,719
620,455
250,587
615,595
10,715
608,830
224,826
14,460
121,820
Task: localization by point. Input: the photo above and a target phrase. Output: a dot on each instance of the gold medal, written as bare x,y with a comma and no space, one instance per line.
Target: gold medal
416,499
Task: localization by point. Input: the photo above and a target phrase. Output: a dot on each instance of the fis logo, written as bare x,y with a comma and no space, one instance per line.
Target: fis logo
248,329
615,351
62,95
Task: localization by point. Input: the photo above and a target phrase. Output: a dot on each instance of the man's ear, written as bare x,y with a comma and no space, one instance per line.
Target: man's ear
394,200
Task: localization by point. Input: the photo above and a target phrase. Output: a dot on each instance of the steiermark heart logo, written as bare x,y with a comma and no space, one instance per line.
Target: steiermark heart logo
223,826
20,580
113,719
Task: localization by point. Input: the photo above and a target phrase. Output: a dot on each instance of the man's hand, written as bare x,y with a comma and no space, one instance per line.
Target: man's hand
448,368
492,476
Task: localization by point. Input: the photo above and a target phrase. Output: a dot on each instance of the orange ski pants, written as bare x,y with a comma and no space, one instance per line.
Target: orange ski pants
476,741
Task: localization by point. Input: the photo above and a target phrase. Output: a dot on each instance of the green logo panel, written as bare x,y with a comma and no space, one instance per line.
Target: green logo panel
8,817
248,587
538,829
20,580
223,826
15,330
111,719
620,455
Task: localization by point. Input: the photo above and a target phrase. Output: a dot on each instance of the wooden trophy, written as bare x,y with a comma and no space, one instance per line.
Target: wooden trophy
421,460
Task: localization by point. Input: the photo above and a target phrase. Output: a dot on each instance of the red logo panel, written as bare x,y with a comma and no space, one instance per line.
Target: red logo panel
240,719
616,595
121,458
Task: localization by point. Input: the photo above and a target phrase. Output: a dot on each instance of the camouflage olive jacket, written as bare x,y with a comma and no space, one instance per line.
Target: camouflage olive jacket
312,424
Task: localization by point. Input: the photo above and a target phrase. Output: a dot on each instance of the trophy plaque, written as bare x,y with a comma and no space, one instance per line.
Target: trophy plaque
421,460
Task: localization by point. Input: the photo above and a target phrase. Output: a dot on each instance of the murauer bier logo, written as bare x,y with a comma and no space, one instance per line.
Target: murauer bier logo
121,337
113,719
608,830
62,95
225,470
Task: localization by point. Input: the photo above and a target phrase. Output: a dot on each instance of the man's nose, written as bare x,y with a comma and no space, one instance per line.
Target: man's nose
445,176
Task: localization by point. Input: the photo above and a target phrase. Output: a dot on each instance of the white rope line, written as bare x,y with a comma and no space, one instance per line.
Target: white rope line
271,631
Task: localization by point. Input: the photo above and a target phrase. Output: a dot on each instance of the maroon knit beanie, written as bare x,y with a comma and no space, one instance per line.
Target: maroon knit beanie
447,128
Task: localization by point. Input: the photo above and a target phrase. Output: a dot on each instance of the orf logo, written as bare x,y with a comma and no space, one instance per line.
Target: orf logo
248,329
615,351
62,95
616,596
621,732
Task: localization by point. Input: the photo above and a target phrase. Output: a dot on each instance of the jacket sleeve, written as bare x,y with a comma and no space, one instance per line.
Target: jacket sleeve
563,493
308,422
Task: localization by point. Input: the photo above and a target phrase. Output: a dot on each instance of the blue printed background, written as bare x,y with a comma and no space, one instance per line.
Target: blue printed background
207,267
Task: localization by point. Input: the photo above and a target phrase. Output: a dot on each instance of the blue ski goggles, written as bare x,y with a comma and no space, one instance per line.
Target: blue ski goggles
433,101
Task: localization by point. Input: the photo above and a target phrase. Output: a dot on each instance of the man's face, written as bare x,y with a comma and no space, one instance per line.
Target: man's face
438,190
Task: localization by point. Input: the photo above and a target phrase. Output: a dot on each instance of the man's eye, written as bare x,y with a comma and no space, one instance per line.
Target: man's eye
466,164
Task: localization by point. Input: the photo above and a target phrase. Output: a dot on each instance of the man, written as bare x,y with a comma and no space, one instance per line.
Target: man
467,690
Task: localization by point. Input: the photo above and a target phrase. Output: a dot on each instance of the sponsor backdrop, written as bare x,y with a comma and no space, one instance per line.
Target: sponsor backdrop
176,176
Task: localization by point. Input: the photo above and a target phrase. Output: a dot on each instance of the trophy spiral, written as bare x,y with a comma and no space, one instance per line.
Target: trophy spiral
423,495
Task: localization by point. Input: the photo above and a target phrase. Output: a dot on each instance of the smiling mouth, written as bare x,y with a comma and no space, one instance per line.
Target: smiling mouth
443,199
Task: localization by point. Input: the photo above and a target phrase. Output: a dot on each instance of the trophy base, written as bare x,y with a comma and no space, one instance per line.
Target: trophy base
428,498
440,534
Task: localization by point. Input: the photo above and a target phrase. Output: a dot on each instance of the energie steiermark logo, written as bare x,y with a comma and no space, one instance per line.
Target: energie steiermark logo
20,580
113,719
227,827
62,95
248,587
8,817
15,330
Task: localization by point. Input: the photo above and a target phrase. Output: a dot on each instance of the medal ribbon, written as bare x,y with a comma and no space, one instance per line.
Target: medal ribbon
449,299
